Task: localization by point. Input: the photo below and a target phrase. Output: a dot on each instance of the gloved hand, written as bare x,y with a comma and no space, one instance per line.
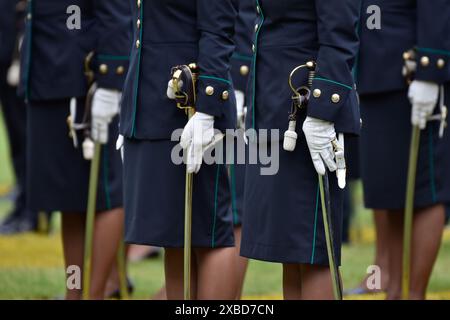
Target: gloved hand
240,109
105,106
424,97
197,135
319,135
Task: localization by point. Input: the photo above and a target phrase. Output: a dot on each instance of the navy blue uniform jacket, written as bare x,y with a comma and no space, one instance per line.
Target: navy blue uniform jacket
242,58
405,24
53,55
7,30
169,33
289,33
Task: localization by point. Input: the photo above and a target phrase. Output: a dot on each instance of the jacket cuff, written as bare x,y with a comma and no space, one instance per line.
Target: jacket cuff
110,71
433,65
240,71
327,99
213,95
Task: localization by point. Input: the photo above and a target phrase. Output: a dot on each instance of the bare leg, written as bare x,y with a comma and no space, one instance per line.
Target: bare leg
395,236
113,283
292,282
427,235
173,265
73,244
160,295
381,248
107,235
241,262
316,283
216,274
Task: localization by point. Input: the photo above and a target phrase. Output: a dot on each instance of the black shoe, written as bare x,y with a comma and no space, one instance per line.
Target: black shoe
116,293
18,226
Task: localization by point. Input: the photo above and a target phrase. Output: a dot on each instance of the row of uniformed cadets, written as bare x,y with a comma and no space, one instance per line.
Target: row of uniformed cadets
282,221
389,105
20,219
55,87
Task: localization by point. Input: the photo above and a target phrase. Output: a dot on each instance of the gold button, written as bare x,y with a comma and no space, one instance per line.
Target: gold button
103,68
139,3
407,55
120,70
317,93
253,48
256,27
258,9
138,23
209,90
425,61
225,95
29,16
441,63
138,44
244,70
335,98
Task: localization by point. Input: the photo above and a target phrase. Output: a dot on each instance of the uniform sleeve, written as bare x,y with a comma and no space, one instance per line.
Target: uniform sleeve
333,88
433,42
114,31
7,30
215,22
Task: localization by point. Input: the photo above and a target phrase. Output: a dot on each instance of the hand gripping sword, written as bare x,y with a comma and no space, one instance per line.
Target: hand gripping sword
300,101
186,76
92,151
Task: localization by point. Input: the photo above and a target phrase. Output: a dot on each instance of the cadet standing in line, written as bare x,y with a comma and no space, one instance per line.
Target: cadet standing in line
282,221
389,106
241,62
167,34
58,38
20,219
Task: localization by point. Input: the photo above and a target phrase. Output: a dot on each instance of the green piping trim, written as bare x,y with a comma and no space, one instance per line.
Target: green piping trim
233,193
434,51
105,177
431,164
216,193
239,56
315,227
254,64
334,82
138,67
215,78
112,57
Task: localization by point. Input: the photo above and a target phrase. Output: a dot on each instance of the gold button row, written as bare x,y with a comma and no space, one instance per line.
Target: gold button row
210,91
103,69
425,62
335,98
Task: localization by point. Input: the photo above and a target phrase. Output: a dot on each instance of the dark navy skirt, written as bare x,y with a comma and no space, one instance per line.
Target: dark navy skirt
385,143
58,175
283,215
154,199
237,182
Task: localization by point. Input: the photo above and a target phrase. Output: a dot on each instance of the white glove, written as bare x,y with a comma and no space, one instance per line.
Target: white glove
424,97
240,108
105,106
197,135
171,91
13,76
319,134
